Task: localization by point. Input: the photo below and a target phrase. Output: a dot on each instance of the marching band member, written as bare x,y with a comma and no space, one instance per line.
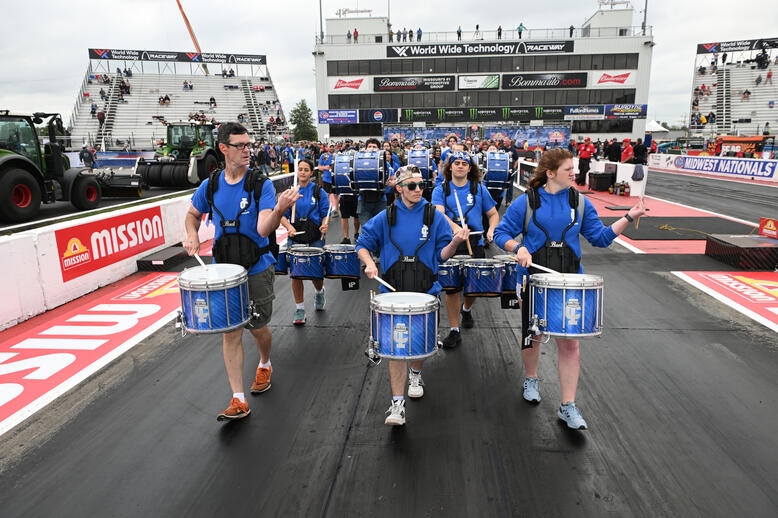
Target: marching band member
410,249
250,202
311,210
559,215
371,203
463,181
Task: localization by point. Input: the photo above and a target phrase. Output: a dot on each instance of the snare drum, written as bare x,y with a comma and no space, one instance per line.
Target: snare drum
306,262
343,174
483,277
341,262
450,275
214,298
404,325
508,273
282,263
368,171
566,305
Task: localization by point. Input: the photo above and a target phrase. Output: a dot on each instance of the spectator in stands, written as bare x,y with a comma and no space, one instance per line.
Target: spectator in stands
766,130
166,99
186,84
520,29
127,72
391,35
477,33
711,117
356,35
103,96
105,79
348,37
702,70
459,33
769,79
93,109
746,94
572,29
212,102
231,73
499,32
405,34
101,117
758,80
86,156
120,98
418,34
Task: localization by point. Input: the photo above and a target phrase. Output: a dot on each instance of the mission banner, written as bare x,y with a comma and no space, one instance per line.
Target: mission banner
479,49
180,57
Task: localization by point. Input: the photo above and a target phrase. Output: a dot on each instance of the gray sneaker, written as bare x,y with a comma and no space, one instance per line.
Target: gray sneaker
318,301
570,414
299,317
531,392
415,385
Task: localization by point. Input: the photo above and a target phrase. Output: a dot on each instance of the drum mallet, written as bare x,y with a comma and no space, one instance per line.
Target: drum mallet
462,220
379,279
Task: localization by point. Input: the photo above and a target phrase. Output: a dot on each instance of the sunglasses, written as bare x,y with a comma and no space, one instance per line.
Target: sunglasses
412,185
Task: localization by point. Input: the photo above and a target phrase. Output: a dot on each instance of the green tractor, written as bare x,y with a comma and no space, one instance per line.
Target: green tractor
32,172
186,158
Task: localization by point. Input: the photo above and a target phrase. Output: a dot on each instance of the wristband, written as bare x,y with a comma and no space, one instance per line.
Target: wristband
516,248
628,217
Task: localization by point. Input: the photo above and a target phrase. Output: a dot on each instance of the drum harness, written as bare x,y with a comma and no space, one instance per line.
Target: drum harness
309,228
408,273
474,192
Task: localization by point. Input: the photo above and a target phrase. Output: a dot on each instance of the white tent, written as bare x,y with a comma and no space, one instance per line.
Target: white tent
655,127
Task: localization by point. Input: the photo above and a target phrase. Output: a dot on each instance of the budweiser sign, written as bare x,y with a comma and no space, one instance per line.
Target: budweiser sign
348,84
620,79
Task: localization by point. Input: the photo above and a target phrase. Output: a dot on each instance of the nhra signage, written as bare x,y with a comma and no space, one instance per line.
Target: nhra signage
86,248
371,116
584,113
626,111
479,49
179,57
507,113
337,116
737,46
735,166
533,81
413,84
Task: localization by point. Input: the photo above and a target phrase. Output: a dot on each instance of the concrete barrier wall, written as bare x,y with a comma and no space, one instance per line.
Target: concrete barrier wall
32,274
727,167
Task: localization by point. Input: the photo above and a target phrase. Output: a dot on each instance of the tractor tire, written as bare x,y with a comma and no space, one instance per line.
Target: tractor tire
20,196
206,166
86,194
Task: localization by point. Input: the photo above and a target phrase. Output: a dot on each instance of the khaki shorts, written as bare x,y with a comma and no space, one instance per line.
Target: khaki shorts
261,292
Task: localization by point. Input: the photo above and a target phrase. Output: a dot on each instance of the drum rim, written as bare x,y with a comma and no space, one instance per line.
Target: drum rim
584,280
420,308
306,251
482,262
340,248
231,281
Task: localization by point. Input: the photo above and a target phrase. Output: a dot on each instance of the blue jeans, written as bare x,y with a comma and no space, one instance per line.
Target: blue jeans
366,210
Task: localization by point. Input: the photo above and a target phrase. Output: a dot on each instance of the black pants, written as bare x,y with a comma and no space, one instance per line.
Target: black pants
583,170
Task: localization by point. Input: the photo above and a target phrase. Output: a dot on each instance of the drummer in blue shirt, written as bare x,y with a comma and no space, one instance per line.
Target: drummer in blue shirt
392,164
410,251
463,181
311,222
552,240
243,240
370,203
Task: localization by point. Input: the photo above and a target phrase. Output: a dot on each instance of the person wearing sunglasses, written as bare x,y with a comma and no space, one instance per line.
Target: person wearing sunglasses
462,181
411,239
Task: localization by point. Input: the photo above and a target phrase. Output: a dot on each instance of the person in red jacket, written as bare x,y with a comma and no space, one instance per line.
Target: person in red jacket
626,152
654,147
585,153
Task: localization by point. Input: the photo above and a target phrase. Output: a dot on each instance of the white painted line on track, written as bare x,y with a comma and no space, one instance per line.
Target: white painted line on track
729,302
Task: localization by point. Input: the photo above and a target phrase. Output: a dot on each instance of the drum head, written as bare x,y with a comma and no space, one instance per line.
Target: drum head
340,248
482,263
462,258
566,280
453,262
404,302
212,275
306,251
505,258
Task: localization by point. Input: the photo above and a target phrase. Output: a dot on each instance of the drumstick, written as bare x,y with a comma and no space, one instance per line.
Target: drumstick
637,220
379,279
539,267
200,260
295,186
462,219
327,219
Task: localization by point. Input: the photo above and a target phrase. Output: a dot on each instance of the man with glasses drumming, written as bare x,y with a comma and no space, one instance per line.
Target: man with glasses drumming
412,239
244,211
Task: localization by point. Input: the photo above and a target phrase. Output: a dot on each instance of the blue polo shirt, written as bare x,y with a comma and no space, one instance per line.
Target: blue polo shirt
304,204
326,159
473,207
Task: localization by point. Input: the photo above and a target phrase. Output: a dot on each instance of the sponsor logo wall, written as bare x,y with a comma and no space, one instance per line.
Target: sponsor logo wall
506,113
583,113
337,116
180,57
349,84
478,49
737,46
413,83
370,116
612,78
479,82
626,111
535,135
544,81
760,169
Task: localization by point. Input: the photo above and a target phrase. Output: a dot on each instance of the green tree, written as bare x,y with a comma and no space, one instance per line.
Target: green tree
301,118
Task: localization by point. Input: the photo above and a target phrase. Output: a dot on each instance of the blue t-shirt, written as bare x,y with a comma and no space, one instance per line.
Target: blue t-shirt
473,207
326,159
232,200
408,232
554,214
304,204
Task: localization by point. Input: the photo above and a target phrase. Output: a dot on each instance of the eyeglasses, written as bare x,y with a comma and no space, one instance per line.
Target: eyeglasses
412,186
240,146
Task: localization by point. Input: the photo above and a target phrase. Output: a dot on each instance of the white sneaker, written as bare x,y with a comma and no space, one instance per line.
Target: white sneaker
396,413
415,385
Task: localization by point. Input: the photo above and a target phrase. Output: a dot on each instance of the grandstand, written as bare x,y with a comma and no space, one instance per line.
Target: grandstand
138,123
735,114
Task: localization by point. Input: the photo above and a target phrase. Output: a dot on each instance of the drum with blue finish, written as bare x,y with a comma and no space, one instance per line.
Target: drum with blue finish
282,262
568,305
341,262
450,275
214,298
404,325
483,277
497,170
306,262
343,174
508,272
421,159
368,171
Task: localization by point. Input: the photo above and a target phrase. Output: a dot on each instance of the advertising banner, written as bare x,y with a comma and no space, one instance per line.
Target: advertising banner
479,49
426,134
387,115
534,135
413,83
86,248
534,81
768,227
737,46
626,111
750,167
505,113
481,82
180,57
337,116
348,85
613,79
584,113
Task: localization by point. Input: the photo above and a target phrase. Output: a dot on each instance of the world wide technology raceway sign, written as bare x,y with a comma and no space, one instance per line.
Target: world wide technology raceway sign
479,49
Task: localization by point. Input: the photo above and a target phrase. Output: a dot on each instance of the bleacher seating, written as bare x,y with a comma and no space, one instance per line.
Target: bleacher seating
138,121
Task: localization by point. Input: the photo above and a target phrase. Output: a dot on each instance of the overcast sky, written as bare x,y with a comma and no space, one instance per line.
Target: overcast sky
44,42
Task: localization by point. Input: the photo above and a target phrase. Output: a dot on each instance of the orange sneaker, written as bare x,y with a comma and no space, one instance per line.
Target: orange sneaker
236,410
262,381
